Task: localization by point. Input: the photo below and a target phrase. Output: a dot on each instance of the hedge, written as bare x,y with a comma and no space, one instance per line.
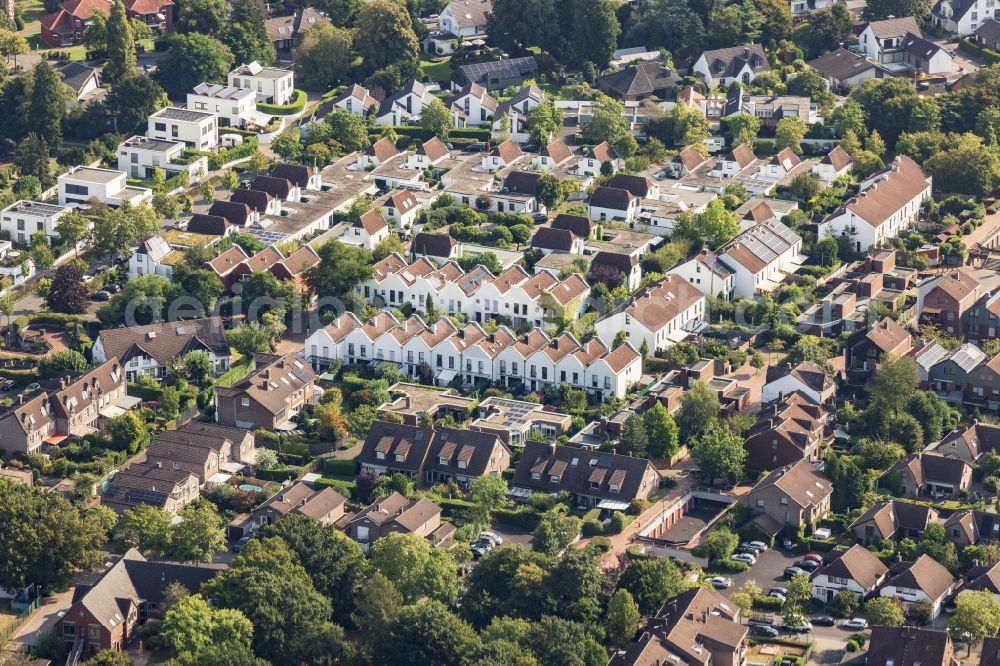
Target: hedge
340,467
417,132
989,55
246,149
345,488
298,103
279,473
524,519
728,566
452,507
52,318
768,603
20,376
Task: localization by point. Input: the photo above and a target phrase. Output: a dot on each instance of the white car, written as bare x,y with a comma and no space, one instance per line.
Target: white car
492,536
856,623
758,545
746,558
719,582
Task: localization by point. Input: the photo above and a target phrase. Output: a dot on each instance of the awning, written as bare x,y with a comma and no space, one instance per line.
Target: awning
614,505
82,431
232,467
767,523
219,478
128,402
287,426
521,492
447,375
54,439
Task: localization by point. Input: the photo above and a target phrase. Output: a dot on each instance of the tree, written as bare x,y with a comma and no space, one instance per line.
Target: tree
60,362
968,168
32,158
436,119
935,544
672,25
120,44
488,493
977,615
548,190
426,633
389,37
145,528
894,381
884,612
555,532
203,16
349,130
108,658
416,569
844,604
699,410
805,186
800,589
341,268
651,582
789,133
128,432
634,441
661,430
335,562
719,453
740,128
877,10
190,60
290,618
68,293
249,339
622,620
199,535
43,538
133,99
717,224
377,605
47,106
557,641
825,27
322,57
543,121
720,544
607,123
191,627
246,34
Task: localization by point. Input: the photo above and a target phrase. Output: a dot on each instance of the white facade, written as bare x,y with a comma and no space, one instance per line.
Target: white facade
710,280
233,106
197,129
148,258
949,15
270,84
140,156
82,183
23,219
660,316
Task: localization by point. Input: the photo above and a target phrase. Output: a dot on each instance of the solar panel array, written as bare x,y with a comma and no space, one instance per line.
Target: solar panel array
968,356
268,237
496,66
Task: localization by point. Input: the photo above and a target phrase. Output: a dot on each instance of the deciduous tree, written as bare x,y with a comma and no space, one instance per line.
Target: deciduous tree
322,57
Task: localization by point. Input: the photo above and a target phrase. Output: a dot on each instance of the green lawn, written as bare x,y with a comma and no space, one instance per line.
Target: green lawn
235,373
438,69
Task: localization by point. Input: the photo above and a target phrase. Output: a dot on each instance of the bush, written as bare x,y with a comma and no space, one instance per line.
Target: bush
852,646
517,518
340,467
619,521
592,527
279,474
297,104
345,488
768,603
637,506
216,160
729,566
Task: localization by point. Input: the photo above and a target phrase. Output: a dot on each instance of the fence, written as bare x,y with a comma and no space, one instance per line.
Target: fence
21,619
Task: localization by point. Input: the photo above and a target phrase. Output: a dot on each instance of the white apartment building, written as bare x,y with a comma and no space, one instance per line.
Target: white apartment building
660,316
197,129
270,84
141,156
233,106
23,219
82,183
761,257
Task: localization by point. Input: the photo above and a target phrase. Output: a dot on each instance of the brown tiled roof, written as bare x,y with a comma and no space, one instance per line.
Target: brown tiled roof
925,574
660,304
691,158
33,414
799,481
742,155
610,197
382,149
984,578
303,499
403,201
892,27
578,224
621,357
837,158
557,151
889,336
395,508
228,260
166,341
638,185
76,394
760,213
508,151
553,239
435,245
298,261
434,149
263,260
603,152
371,221
573,286
521,182
859,564
514,275
392,439
787,159
910,646
905,180
273,381
297,174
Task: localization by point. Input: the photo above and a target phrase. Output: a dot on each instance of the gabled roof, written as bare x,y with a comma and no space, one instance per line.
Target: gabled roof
226,261
643,79
272,381
910,646
742,155
166,341
434,245
508,151
841,64
434,149
658,305
396,509
691,158
925,574
638,185
234,211
547,238
582,472
859,564
603,152
900,184
257,200
728,62
578,224
837,158
297,174
888,336
203,223
800,482
371,221
611,198
806,373
557,151
521,182
382,150
893,28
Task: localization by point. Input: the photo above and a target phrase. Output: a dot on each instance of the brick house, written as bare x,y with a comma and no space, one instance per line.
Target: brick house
270,397
950,376
943,300
892,519
912,646
162,487
209,451
325,505
928,474
983,385
65,27
793,495
865,349
969,443
786,432
395,513
106,615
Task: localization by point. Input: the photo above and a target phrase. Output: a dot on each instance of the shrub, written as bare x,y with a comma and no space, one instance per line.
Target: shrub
295,106
730,566
592,527
619,521
852,646
340,467
768,603
638,506
516,518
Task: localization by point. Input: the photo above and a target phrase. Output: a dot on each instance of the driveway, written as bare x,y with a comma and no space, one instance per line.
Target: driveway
767,573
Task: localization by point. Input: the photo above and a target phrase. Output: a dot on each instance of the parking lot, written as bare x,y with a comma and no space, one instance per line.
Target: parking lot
768,572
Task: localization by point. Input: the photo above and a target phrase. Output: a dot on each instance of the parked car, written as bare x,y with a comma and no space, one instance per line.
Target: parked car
763,631
7,384
540,218
791,571
746,558
803,628
102,296
807,565
474,148
787,544
492,536
759,545
783,591
238,546
776,595
719,582
33,386
814,557
855,624
747,547
823,621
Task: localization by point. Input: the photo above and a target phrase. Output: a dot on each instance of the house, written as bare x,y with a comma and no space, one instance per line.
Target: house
886,204
436,246
164,488
549,239
925,57
924,579
395,513
882,41
771,109
140,157
324,505
698,626
842,68
237,213
656,317
962,17
433,455
300,176
271,84
987,35
464,18
356,100
760,258
779,166
793,495
234,107
950,376
708,274
195,129
367,231
806,378
911,646
979,322
83,80
515,421
149,350
865,349
578,224
733,162
502,155
211,452
834,164
23,219
972,527
637,82
270,396
892,519
285,32
405,105
415,403
401,207
82,183
65,26
970,442
945,300
552,156
497,74
595,159
685,162
429,155
107,614
605,480
856,570
610,203
721,67
473,106
786,432
931,474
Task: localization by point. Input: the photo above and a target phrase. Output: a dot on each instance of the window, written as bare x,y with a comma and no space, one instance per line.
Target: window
160,127
245,402
77,189
399,457
380,455
443,461
760,502
554,478
69,629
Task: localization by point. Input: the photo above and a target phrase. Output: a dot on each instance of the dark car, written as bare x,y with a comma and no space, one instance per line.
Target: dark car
474,148
540,218
807,565
823,621
102,296
791,571
763,631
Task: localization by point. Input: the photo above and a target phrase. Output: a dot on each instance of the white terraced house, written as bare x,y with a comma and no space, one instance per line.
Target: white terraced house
514,295
441,353
660,315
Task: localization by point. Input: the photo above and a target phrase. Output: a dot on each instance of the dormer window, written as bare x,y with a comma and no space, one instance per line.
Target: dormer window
380,455
462,464
443,461
554,478
536,475
399,457
614,488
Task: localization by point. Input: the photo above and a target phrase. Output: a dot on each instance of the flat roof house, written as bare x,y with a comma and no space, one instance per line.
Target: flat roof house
82,183
270,84
233,106
23,219
140,157
196,129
